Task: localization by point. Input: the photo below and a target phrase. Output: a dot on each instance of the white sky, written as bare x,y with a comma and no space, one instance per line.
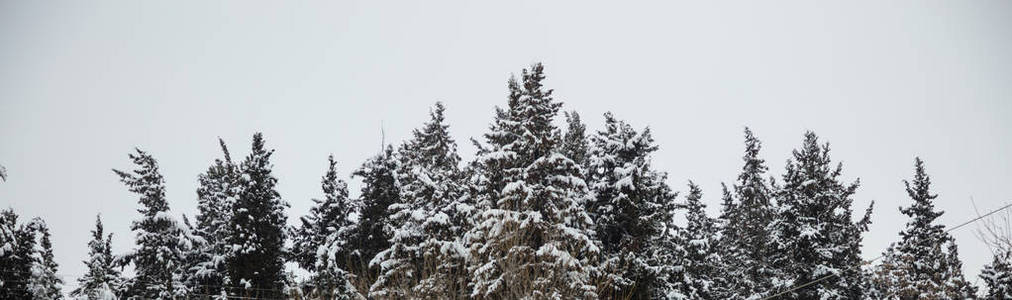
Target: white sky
81,84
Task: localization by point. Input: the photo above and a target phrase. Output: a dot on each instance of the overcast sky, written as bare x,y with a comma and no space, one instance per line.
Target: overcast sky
83,82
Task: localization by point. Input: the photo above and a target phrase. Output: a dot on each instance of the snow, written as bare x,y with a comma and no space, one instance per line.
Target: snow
809,232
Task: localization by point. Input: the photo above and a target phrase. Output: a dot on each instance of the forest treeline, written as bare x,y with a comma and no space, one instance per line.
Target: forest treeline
542,212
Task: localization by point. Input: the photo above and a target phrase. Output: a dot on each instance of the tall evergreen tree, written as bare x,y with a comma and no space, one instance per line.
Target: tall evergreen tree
257,226
629,208
327,228
533,238
701,262
575,144
956,281
16,245
813,232
667,256
102,280
997,277
216,198
44,284
8,243
159,259
924,263
372,234
748,210
426,256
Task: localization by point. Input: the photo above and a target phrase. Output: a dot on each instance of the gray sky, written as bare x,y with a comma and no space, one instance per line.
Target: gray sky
81,84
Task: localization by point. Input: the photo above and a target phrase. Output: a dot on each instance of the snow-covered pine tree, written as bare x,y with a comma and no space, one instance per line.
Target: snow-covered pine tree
103,277
159,258
702,278
666,254
216,196
924,263
426,256
629,208
574,143
327,228
257,227
44,284
533,238
8,243
748,210
727,211
997,277
320,222
193,257
727,248
373,231
439,178
813,232
956,281
16,245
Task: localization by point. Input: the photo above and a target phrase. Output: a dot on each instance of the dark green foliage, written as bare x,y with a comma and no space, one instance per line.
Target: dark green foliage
425,258
159,257
813,234
925,262
748,210
702,277
327,216
216,196
16,245
326,230
102,275
257,234
997,277
532,237
574,142
45,284
379,191
630,208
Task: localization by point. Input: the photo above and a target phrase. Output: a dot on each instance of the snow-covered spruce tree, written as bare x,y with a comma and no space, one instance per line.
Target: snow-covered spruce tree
745,246
193,258
161,247
702,278
372,234
957,281
667,254
727,249
813,233
997,277
9,276
574,143
629,209
327,228
16,248
103,277
257,227
726,243
320,222
533,238
924,263
216,196
44,283
426,258
438,177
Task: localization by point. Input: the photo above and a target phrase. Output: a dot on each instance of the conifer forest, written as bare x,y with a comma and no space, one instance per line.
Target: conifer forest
547,209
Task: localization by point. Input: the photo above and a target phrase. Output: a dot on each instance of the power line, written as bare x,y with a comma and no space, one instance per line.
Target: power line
820,279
